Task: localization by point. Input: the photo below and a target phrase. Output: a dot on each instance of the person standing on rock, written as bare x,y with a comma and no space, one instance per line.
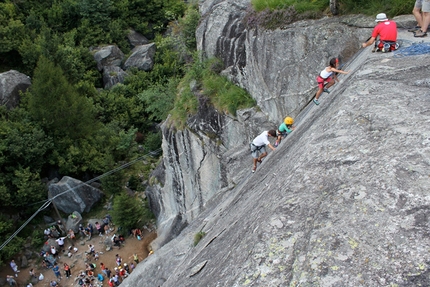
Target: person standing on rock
284,129
387,32
328,75
67,270
258,147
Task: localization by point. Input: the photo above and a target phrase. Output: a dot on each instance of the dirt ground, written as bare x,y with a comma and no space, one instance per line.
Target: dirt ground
77,261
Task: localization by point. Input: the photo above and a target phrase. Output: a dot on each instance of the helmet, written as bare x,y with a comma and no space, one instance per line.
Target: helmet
125,264
288,121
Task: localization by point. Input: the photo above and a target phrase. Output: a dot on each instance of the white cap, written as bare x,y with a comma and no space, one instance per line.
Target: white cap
381,17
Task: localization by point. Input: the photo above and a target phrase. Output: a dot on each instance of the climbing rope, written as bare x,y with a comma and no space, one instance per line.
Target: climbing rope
413,50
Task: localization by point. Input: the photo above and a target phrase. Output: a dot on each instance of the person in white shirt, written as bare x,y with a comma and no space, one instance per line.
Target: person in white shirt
258,147
328,75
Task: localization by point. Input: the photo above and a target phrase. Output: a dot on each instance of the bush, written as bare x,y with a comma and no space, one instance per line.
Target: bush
199,235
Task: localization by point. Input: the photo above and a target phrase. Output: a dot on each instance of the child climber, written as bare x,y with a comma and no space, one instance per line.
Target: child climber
328,76
284,129
258,147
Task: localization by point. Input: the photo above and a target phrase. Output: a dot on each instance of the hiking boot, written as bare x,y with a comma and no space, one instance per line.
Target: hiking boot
420,34
316,102
326,91
414,29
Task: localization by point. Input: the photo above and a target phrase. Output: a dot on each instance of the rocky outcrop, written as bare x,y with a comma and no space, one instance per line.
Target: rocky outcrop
278,68
12,83
342,202
136,39
113,75
108,56
199,161
142,57
75,195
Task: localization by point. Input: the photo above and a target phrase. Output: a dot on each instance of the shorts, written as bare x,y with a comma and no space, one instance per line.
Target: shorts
425,7
322,81
256,151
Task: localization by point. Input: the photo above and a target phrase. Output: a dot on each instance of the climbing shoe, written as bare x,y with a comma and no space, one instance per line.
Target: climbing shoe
326,91
276,144
414,29
254,169
420,34
316,102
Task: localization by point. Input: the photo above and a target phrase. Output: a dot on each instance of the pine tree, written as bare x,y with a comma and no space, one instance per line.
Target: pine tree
56,104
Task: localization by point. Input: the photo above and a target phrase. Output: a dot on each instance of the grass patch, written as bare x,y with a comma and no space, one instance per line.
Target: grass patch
199,235
273,14
203,79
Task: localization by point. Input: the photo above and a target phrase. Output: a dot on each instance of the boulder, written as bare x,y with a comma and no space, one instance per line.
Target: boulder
75,195
73,222
113,75
136,39
142,57
11,84
24,262
108,56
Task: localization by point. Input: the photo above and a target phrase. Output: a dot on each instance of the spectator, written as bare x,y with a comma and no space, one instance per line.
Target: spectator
425,19
57,272
11,280
32,273
67,270
118,260
60,242
14,267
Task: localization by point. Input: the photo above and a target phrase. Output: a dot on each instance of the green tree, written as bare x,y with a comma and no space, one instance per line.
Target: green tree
56,105
129,211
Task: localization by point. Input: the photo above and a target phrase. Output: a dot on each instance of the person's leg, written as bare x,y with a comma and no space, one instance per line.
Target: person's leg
264,154
418,16
426,19
331,83
318,94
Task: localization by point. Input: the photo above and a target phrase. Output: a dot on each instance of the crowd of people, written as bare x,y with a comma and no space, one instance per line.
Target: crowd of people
94,273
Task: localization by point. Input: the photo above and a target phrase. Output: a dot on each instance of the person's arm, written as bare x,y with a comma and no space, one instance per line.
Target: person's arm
271,146
369,42
339,71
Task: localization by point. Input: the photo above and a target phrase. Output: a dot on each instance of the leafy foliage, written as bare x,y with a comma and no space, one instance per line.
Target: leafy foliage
129,211
57,106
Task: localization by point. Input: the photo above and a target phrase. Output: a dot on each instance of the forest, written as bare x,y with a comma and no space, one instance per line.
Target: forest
68,124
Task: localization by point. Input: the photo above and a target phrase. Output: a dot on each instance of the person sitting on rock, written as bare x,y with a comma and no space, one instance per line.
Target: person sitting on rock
258,147
387,32
284,129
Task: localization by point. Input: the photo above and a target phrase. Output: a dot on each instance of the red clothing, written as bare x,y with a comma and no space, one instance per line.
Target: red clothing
387,31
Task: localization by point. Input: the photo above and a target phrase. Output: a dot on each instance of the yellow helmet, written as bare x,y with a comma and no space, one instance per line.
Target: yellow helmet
288,121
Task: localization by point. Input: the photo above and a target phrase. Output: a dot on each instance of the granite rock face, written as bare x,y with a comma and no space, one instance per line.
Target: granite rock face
342,202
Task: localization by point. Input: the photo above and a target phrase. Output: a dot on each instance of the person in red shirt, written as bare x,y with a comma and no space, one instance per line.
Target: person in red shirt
387,32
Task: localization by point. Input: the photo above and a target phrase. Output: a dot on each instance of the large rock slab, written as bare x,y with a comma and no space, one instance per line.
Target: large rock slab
342,202
11,84
73,195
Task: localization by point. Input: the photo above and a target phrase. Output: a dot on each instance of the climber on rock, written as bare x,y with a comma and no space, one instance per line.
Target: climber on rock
328,75
258,147
284,129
